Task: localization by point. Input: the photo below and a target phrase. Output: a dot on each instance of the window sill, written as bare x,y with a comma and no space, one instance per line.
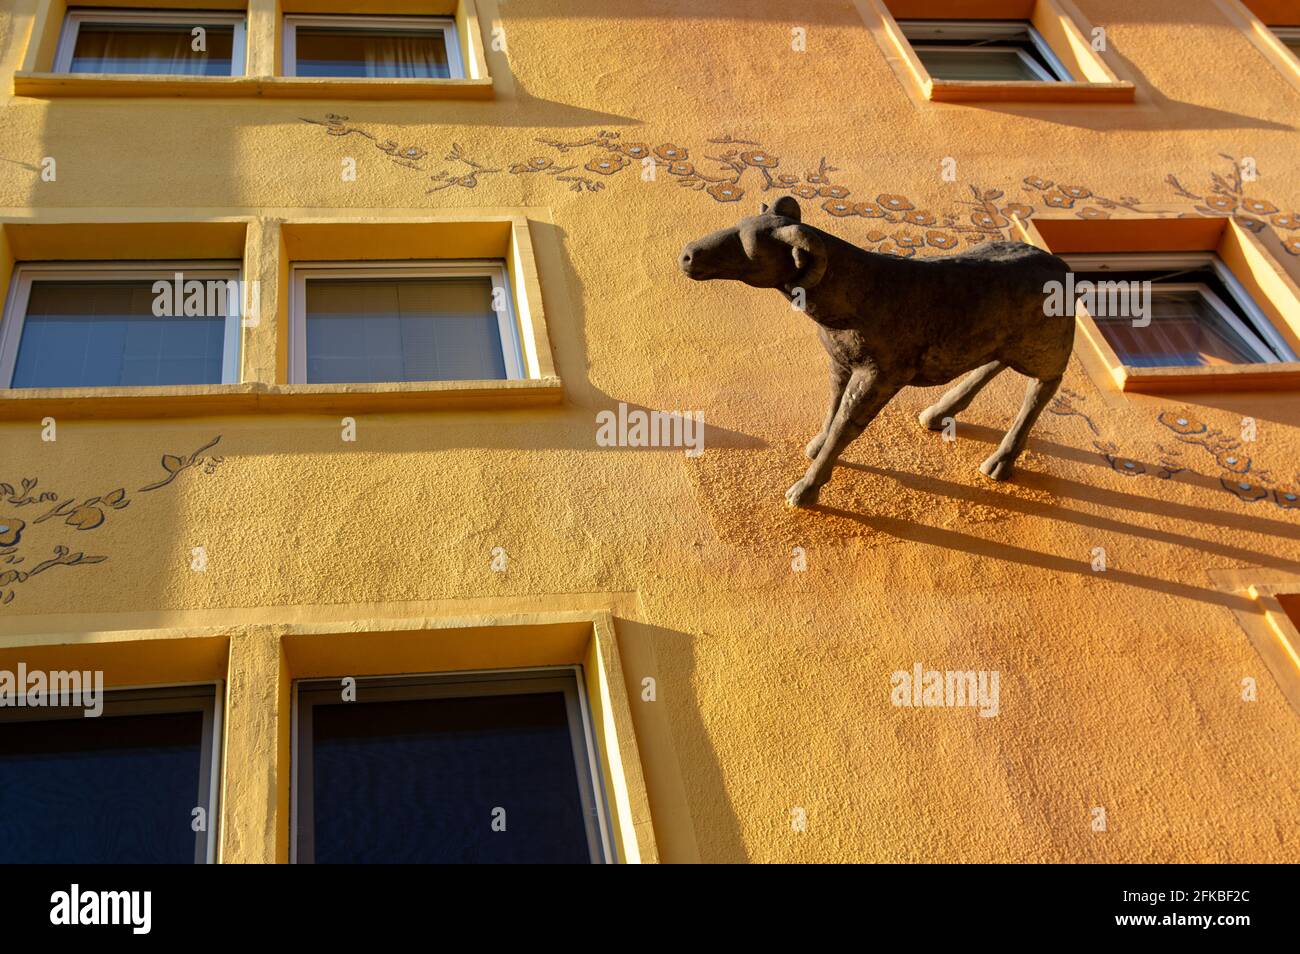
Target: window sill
1027,91
1282,376
208,400
50,85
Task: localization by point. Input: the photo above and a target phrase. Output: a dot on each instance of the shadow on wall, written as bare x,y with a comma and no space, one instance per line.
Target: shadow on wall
693,818
911,531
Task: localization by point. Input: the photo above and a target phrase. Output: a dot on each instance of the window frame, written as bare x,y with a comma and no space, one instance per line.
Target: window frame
467,683
495,269
204,697
978,30
25,273
447,25
1260,326
73,20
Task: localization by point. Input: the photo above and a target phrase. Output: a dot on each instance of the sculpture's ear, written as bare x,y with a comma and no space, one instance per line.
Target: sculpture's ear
786,206
809,253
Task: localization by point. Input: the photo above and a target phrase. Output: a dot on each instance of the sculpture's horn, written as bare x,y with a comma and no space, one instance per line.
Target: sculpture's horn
809,253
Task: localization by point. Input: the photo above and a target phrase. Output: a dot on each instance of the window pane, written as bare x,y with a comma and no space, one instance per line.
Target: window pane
406,329
1186,330
107,789
981,65
391,54
105,334
164,48
417,781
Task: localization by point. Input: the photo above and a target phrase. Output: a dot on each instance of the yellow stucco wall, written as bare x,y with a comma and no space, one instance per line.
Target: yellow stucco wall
1120,689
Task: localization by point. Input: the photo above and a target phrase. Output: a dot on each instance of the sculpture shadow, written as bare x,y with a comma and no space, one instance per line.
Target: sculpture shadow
1158,507
909,531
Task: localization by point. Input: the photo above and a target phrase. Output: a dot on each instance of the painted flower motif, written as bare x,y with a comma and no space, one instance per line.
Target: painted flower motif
875,235
1234,462
869,210
1220,203
1249,222
680,169
608,165
1126,465
1258,206
806,192
1057,201
787,180
11,531
1287,220
1017,210
759,158
894,203
725,191
838,207
535,164
1075,192
85,517
987,220
1181,423
1244,489
1038,182
889,248
941,241
1286,499
833,191
1292,244
1091,213
906,240
917,217
671,153
635,150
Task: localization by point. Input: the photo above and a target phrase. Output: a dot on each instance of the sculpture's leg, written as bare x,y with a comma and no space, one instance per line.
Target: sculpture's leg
958,398
863,399
839,381
1037,395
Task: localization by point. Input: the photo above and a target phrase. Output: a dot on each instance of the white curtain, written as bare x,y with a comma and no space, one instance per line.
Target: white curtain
406,56
151,50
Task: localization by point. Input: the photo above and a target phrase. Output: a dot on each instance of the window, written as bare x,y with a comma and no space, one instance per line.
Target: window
372,47
436,321
472,767
987,51
117,325
1290,37
1200,315
151,42
120,787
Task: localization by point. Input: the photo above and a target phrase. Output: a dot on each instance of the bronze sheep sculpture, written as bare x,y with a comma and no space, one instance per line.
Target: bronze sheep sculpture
889,323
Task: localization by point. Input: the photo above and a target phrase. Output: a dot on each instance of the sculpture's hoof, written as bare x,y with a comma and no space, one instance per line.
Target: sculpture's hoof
998,467
802,494
814,447
933,418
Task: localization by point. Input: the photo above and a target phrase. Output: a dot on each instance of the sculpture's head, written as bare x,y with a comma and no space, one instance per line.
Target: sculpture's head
770,250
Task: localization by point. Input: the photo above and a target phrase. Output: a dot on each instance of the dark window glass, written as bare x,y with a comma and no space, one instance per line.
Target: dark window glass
984,51
104,334
987,65
377,53
409,329
109,789
153,49
1186,330
417,781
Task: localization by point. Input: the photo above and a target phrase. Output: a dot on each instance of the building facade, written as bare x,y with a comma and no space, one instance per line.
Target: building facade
360,430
